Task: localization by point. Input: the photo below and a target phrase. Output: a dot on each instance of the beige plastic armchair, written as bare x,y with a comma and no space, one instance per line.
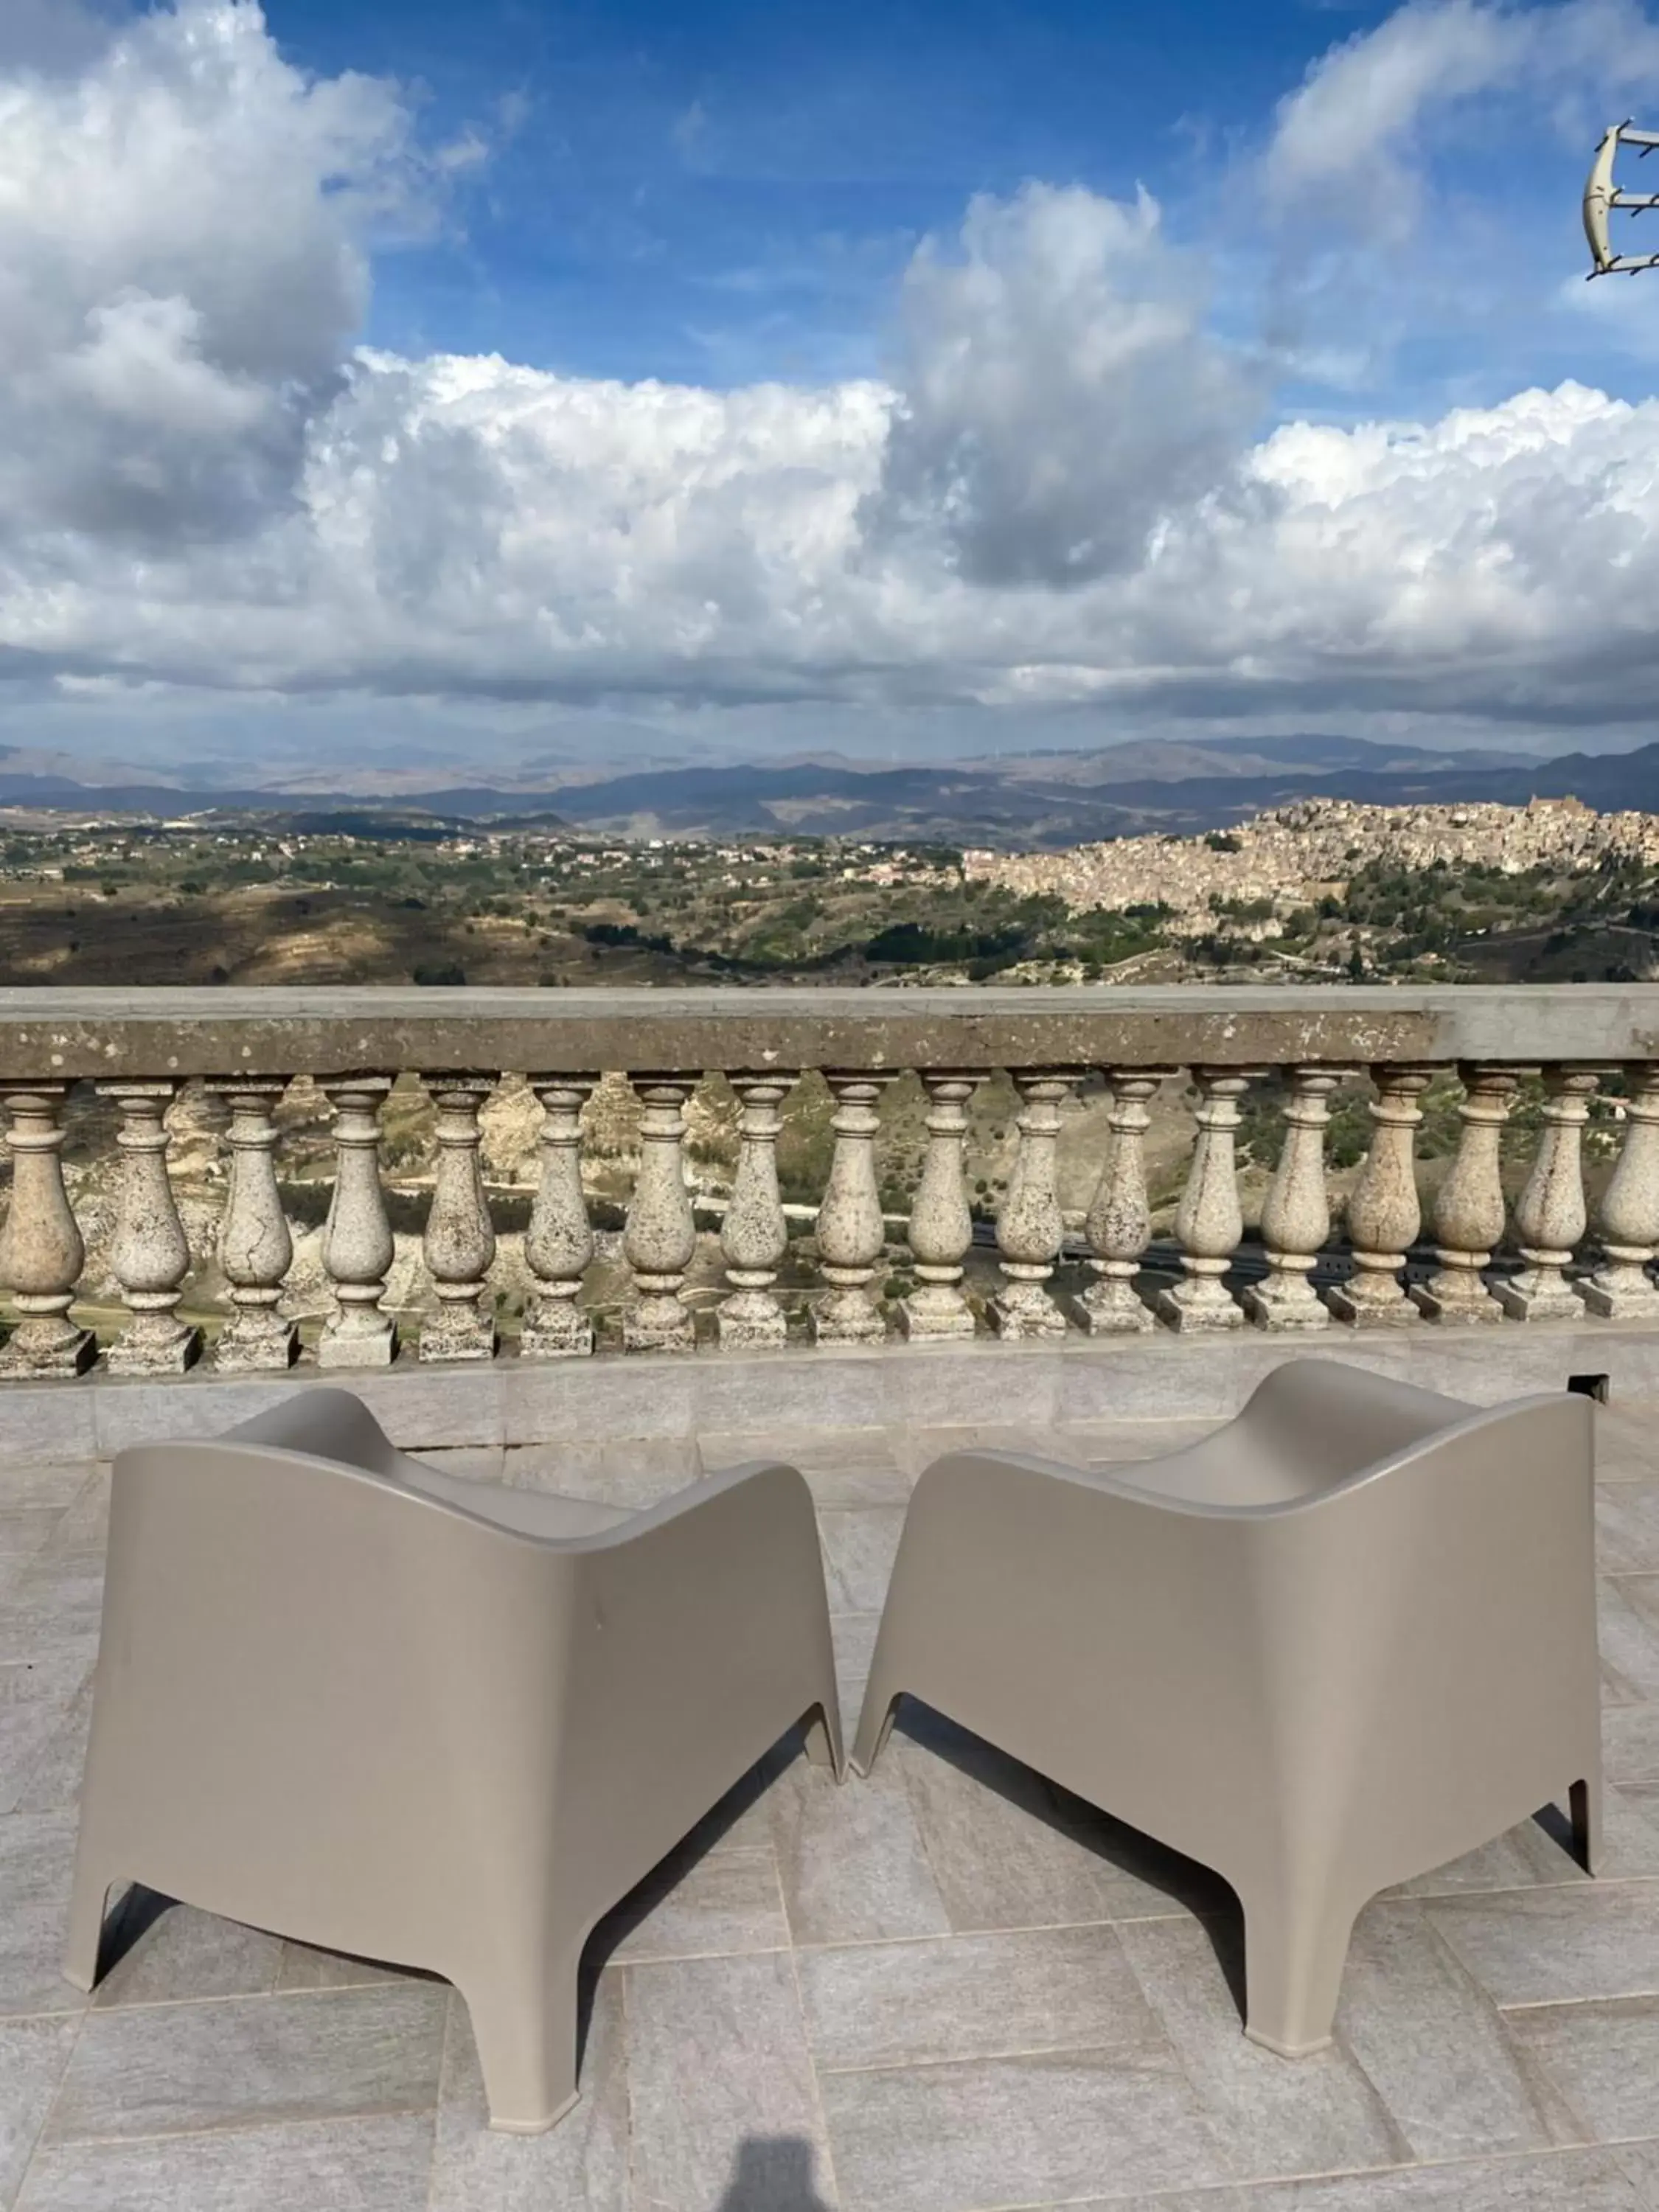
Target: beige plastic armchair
1347,1638
371,1706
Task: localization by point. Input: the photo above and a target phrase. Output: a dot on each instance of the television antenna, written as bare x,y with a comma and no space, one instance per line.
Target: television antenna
1603,195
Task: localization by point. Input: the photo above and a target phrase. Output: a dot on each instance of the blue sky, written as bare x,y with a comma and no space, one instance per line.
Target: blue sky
504,378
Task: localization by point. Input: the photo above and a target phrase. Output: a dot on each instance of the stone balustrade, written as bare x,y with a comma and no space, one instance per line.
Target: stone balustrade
1549,1252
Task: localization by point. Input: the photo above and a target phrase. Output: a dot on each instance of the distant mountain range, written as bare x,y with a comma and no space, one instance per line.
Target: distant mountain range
1032,799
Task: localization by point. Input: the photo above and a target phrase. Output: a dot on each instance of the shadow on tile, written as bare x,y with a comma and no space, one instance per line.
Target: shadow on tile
773,2174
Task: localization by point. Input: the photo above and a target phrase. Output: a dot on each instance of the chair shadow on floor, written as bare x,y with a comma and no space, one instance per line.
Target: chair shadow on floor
774,2173
1199,1889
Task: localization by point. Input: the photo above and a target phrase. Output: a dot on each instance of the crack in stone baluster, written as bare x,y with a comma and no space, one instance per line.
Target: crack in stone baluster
1296,1215
559,1242
1209,1220
150,1256
358,1248
1468,1208
1384,1212
1627,1220
1550,1214
41,1252
256,1248
1031,1230
941,1226
852,1236
1120,1224
458,1245
661,1238
754,1235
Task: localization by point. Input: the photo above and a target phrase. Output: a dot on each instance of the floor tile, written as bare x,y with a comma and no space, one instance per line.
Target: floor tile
1523,1858
1627,1627
718,2080
41,1725
161,2070
25,1528
1627,1527
851,1861
37,1853
1435,2047
176,1954
373,2165
1561,2181
1602,2058
1003,1852
301,1967
33,2056
860,1545
1114,1444
579,2166
1018,2131
854,1635
728,1902
53,1607
1275,2117
636,1472
25,1483
1553,1946
1630,1742
843,1466
973,1996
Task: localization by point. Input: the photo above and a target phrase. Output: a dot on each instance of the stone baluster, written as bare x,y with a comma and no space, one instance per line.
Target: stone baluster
1628,1221
357,1242
458,1245
1120,1224
661,1235
41,1254
1550,1214
941,1229
150,1256
1469,1207
1209,1221
1384,1214
851,1233
1296,1215
559,1242
754,1236
1030,1228
255,1246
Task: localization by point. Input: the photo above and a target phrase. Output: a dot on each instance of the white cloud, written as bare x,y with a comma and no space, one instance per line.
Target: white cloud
1059,390
1057,501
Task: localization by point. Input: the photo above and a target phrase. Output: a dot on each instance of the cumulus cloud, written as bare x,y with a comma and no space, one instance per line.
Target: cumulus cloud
181,268
1351,138
1059,498
1060,391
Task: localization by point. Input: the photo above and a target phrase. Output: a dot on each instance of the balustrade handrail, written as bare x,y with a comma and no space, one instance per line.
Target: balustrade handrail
139,1048
220,1030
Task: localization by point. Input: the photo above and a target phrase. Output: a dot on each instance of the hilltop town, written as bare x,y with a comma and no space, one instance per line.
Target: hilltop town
1294,856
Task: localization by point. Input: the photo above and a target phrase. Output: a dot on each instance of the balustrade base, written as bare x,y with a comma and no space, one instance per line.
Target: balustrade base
924,1323
1116,1312
448,1340
1395,1313
1619,1302
1280,1309
1553,1301
174,1352
1188,1313
570,1337
1460,1310
262,1350
72,1351
348,1346
1022,1315
750,1322
658,1325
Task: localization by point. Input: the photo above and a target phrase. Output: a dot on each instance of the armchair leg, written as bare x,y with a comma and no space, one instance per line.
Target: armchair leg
824,1744
87,1900
1584,1806
1295,1946
525,2032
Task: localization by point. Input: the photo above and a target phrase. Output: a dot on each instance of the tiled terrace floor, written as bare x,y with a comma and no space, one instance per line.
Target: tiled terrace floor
950,1987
